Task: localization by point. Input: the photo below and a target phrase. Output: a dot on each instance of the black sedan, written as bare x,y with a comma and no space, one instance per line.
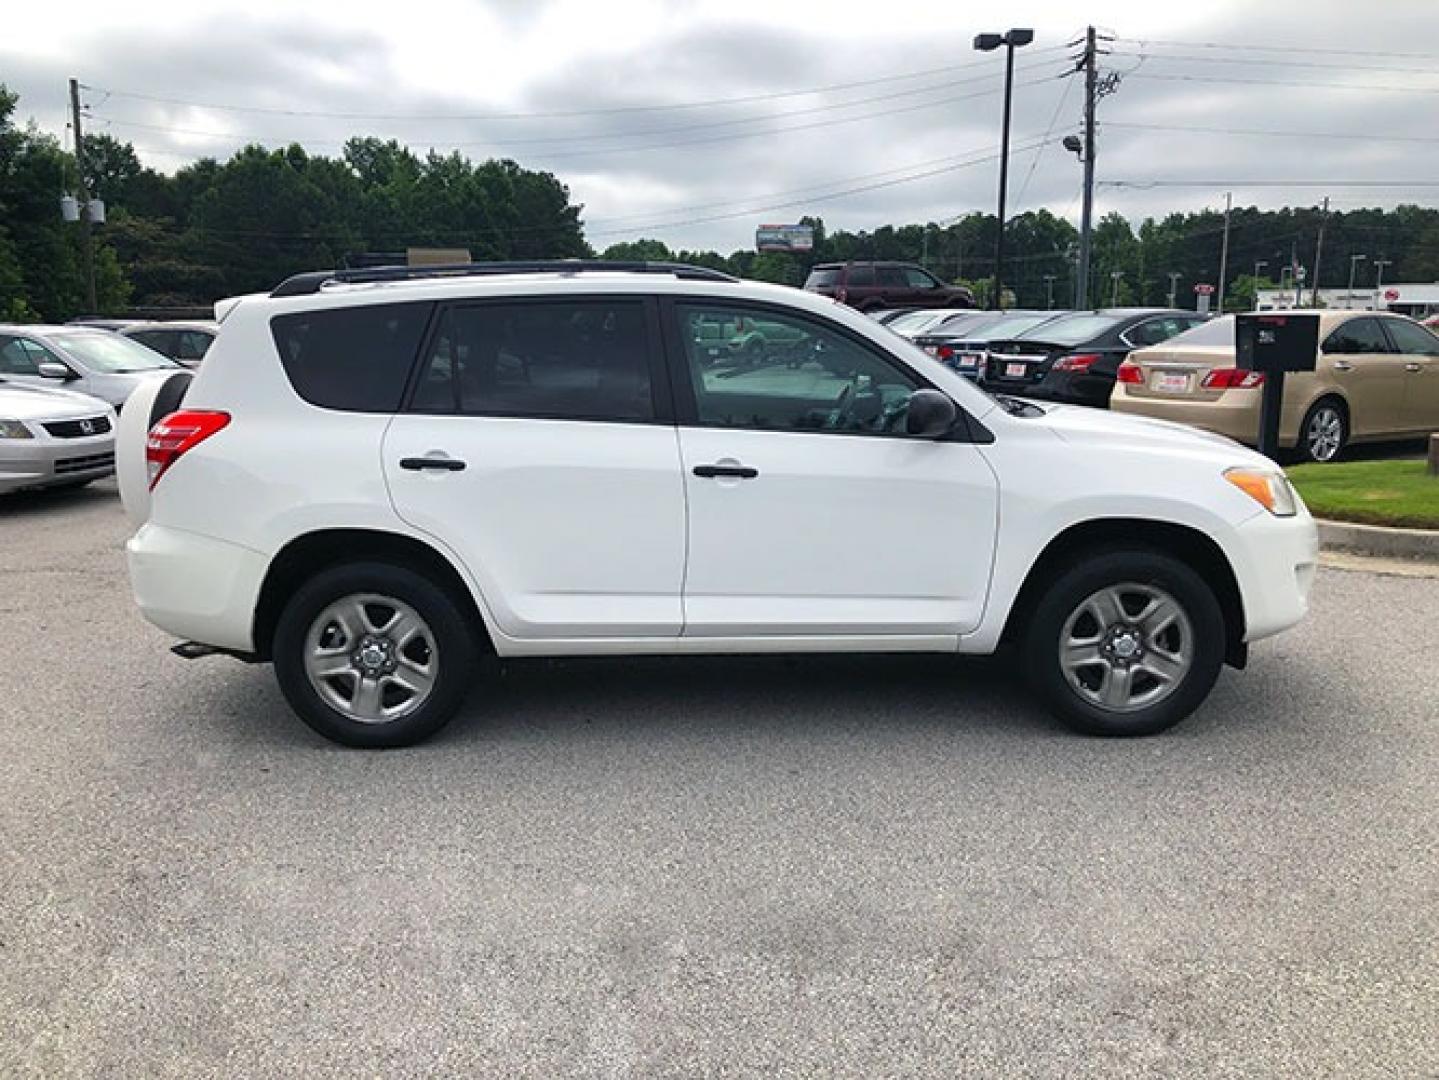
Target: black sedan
960,344
1074,358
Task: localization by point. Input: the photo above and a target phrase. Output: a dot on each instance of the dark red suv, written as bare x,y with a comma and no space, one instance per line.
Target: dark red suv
873,285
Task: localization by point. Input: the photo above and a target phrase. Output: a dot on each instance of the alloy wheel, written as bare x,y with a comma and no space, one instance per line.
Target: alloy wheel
372,658
1325,433
1126,647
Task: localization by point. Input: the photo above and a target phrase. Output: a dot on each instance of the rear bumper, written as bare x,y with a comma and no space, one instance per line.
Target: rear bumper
45,462
1234,414
1274,568
196,587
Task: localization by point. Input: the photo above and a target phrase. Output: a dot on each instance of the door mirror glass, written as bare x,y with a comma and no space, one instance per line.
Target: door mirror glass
53,369
930,414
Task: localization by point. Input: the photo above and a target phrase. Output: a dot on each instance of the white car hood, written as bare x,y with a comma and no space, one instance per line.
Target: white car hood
1076,424
33,403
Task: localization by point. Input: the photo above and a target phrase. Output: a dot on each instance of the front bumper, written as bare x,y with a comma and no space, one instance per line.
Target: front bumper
196,587
45,462
1274,565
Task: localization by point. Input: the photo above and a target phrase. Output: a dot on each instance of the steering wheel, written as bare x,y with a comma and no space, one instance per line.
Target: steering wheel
843,410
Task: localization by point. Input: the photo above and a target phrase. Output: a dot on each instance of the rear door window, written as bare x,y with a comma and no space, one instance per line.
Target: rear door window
549,359
1357,336
356,359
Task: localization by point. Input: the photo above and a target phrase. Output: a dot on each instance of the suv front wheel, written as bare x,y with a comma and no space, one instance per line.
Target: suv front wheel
1126,643
373,655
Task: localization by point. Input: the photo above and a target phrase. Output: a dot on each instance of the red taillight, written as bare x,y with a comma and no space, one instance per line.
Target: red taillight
1130,372
1231,378
1078,362
177,433
944,352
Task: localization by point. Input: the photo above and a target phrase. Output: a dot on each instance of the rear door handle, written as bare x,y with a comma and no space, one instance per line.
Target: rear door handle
743,472
1343,365
444,464
1413,367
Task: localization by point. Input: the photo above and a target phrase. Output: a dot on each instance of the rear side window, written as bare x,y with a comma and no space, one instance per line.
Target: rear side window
550,359
356,359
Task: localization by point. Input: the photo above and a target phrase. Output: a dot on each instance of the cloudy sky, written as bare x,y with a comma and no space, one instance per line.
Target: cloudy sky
694,120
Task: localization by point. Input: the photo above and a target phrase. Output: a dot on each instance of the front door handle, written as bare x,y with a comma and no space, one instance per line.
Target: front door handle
743,472
1413,367
1343,365
444,464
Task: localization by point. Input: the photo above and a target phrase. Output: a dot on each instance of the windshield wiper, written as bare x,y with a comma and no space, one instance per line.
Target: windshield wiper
1018,406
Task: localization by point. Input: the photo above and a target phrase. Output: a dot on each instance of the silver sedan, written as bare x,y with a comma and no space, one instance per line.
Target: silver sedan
96,362
53,438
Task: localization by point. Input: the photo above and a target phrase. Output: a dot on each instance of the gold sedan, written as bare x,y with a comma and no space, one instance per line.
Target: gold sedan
1376,377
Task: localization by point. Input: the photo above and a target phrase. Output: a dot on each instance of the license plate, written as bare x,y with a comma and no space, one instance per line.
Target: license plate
1016,371
1169,383
968,361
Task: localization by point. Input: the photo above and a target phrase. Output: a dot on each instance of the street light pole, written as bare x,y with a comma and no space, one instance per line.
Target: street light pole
1173,286
1048,292
1354,260
1379,265
1014,39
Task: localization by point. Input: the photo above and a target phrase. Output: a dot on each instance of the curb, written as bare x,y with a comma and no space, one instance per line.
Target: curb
1379,541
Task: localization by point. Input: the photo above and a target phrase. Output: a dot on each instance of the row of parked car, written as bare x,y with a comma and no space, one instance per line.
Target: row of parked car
1376,376
61,388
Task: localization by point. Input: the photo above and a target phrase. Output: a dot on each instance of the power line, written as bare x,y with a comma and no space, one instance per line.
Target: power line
1271,62
1227,46
1271,134
1308,85
1146,184
567,139
607,151
548,115
1034,161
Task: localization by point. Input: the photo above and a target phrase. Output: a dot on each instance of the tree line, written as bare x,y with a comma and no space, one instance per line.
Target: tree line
220,228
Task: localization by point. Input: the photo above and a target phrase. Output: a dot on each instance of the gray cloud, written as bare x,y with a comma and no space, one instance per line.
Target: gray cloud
284,63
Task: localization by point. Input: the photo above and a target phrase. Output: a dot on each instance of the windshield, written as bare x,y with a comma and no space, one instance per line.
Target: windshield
1072,329
1214,332
111,354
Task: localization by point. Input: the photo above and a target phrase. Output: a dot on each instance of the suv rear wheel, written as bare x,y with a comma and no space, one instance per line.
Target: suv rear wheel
373,655
1126,643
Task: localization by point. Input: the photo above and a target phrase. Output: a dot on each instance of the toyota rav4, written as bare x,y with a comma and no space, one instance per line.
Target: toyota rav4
379,475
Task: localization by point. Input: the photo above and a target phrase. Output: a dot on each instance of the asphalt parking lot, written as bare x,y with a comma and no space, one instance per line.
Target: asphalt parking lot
870,867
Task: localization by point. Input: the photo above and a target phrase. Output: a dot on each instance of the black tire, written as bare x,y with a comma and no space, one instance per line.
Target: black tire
1310,448
445,618
1095,571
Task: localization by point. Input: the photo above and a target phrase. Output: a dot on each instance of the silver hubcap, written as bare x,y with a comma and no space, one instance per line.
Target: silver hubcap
1325,434
1126,647
371,658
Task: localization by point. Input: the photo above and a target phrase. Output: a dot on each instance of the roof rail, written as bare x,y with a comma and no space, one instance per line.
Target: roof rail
308,284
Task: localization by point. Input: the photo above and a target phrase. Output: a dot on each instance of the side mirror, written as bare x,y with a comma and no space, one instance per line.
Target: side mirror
51,369
930,414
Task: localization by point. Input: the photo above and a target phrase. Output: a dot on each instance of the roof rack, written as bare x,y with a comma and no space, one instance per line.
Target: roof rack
308,284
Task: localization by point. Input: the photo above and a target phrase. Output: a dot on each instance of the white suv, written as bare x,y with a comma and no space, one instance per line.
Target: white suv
378,475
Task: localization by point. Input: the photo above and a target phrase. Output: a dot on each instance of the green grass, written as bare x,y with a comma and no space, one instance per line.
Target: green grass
1400,493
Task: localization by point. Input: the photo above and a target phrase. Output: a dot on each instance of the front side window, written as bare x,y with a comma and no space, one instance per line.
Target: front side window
891,277
551,359
799,376
1357,336
918,279
16,359
194,344
1159,330
1411,338
861,277
162,341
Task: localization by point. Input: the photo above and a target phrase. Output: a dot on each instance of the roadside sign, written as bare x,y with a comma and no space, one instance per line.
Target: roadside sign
1203,289
784,238
1391,295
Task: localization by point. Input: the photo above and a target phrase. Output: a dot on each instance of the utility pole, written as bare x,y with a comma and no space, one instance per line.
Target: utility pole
1354,260
1318,251
1086,220
1049,292
1224,248
1379,265
1173,286
87,252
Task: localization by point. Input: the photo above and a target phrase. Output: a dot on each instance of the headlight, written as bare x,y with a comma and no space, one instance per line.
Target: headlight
13,429
1270,490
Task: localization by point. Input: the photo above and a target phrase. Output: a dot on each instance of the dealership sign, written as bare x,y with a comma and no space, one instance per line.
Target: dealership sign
784,238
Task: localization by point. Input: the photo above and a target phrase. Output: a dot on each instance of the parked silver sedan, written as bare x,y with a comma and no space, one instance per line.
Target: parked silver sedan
96,362
53,438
